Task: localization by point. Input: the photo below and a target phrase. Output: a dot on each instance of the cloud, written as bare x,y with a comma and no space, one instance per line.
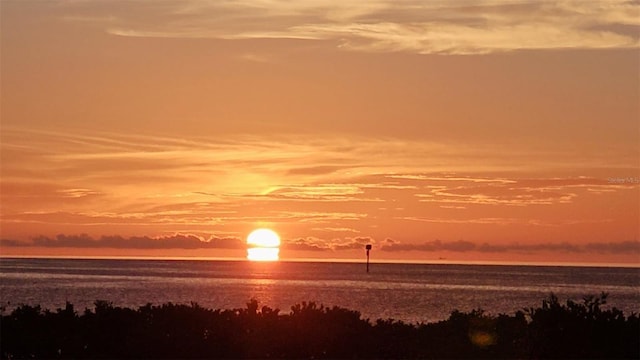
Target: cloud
305,244
78,193
621,247
256,58
632,247
528,248
496,196
504,221
319,217
450,178
190,241
336,244
335,229
177,241
482,221
423,27
323,192
181,214
429,246
513,192
317,170
460,39
352,243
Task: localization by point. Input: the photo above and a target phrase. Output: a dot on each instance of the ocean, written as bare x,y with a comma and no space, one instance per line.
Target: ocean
409,292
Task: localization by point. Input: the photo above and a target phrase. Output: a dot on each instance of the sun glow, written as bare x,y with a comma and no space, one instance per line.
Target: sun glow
265,245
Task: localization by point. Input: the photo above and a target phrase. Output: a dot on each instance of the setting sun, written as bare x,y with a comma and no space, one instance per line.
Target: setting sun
264,244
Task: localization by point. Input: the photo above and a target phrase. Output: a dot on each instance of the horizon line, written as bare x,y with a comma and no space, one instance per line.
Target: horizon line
335,260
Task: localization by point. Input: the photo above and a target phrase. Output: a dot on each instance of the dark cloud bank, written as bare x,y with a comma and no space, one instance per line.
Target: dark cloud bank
464,246
185,241
178,241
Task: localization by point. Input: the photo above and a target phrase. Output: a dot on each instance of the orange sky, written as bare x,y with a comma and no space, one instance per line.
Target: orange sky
434,130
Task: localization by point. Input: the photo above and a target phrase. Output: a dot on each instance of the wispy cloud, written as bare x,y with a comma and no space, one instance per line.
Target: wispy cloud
335,229
503,221
320,217
520,192
322,192
425,27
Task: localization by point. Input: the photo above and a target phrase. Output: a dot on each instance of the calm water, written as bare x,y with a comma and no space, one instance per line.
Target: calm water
408,292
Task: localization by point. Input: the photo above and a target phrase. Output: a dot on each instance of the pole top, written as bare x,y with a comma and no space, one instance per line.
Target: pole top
368,247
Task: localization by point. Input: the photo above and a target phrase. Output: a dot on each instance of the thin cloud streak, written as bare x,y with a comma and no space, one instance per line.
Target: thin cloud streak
512,192
503,221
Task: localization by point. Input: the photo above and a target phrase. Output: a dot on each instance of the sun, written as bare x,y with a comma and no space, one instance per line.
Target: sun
263,238
264,245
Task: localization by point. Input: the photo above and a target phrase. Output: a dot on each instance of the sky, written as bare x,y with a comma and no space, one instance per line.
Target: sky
437,131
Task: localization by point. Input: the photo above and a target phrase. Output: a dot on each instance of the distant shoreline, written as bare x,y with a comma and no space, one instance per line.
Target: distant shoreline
332,260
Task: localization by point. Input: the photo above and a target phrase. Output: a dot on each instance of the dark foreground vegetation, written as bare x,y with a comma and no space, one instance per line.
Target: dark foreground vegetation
554,330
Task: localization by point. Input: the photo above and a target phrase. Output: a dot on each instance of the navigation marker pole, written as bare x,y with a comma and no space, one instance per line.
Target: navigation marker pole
368,247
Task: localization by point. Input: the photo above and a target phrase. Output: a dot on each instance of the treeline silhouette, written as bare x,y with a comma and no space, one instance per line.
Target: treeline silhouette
553,330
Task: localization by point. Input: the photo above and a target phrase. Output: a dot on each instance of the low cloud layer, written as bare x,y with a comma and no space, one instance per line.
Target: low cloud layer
621,247
336,244
178,241
188,241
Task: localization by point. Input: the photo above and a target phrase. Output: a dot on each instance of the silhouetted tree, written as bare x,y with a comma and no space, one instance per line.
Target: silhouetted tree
554,330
